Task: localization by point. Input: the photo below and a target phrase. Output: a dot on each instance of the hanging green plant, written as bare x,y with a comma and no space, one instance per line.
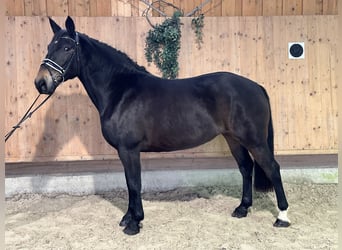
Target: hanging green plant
197,25
163,44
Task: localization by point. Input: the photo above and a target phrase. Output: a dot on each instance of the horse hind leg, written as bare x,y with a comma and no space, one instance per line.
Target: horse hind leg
268,164
245,164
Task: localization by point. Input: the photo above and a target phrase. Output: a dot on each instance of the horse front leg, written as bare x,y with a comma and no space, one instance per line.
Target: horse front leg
135,213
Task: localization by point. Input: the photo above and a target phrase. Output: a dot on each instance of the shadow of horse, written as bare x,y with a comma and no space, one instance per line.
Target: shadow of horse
262,201
69,117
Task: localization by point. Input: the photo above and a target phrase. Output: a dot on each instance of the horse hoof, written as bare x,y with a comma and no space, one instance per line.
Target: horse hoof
240,212
281,223
132,229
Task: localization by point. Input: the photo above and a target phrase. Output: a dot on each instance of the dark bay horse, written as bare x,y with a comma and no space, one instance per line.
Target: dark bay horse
140,112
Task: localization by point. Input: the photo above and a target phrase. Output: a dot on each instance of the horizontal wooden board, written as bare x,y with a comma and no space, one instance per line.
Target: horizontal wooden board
108,166
302,92
137,8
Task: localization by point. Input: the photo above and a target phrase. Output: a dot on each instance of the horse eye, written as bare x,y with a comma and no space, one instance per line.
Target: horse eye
66,48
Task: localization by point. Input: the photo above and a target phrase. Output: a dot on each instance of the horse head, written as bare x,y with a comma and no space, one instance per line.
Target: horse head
62,60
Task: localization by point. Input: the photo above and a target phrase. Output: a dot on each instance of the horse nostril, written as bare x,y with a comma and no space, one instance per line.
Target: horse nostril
41,86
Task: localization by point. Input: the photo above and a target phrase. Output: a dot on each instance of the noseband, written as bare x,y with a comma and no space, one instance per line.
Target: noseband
50,64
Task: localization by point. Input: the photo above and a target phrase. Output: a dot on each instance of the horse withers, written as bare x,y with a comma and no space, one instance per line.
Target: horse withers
140,112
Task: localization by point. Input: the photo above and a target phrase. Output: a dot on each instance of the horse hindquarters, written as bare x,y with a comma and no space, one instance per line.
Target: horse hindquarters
251,127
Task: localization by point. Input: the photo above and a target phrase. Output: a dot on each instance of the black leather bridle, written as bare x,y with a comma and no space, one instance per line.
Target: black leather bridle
50,64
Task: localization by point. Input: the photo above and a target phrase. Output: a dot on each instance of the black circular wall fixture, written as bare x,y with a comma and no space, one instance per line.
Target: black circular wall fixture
296,50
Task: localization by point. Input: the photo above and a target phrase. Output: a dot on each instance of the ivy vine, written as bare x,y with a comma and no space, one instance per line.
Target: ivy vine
197,24
163,43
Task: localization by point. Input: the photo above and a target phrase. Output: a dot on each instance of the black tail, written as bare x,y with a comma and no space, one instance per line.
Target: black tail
261,182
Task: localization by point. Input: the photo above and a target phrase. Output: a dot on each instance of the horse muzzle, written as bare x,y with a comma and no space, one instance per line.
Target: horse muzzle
45,82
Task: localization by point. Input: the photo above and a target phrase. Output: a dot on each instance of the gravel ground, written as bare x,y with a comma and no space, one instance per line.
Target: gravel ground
185,218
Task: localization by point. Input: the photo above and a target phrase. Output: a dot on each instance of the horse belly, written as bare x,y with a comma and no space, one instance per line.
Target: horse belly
180,132
165,144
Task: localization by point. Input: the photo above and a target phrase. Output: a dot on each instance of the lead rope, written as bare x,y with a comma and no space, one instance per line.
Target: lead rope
27,115
51,64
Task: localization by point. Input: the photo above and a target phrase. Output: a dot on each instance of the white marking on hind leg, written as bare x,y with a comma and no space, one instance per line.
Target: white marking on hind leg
283,216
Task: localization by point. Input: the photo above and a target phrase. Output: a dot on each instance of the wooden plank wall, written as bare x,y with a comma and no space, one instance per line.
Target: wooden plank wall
136,7
302,92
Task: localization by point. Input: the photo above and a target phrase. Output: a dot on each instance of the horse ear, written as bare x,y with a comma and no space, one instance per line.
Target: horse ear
70,26
54,26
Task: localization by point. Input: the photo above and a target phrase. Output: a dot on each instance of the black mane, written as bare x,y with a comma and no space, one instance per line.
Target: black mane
116,56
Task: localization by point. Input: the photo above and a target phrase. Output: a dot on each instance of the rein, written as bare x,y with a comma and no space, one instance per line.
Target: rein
27,115
49,64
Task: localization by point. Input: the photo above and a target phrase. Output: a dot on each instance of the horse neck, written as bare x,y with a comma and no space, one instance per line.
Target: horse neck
100,74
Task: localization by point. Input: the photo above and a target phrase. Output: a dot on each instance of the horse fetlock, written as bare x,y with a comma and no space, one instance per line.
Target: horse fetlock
131,226
125,220
129,216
